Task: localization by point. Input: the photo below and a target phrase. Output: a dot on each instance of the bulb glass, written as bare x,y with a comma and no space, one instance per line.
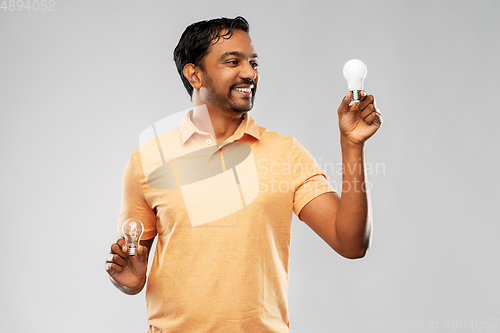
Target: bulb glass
355,72
132,230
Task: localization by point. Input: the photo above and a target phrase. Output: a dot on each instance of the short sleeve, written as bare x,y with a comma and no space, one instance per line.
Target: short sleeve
309,180
134,204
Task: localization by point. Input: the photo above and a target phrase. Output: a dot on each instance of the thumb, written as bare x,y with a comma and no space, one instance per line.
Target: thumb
344,105
142,254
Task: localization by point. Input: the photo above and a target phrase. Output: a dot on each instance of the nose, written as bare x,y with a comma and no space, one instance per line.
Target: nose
248,72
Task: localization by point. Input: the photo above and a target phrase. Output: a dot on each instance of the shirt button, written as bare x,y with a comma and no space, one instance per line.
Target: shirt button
209,141
213,156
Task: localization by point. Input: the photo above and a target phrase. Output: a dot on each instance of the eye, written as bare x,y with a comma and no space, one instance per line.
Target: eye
232,62
254,65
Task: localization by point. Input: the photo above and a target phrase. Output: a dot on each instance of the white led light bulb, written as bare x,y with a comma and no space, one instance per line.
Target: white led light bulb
132,231
355,73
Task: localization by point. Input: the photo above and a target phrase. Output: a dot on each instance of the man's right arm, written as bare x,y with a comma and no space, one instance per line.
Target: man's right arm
128,273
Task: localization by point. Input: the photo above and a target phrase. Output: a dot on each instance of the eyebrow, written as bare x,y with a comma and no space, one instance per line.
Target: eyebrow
238,54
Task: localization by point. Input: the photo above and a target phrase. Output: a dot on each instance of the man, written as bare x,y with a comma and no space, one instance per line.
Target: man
224,267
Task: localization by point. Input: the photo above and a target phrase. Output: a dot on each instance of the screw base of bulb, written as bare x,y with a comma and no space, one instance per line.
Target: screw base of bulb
132,250
356,96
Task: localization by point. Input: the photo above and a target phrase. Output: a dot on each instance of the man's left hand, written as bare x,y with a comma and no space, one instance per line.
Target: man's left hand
359,121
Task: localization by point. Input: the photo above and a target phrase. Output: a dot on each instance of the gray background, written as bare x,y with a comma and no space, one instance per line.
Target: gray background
78,86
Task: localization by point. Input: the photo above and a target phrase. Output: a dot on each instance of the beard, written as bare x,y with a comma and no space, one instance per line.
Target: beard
228,102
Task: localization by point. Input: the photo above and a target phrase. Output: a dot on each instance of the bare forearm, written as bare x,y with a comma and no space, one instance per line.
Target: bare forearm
353,225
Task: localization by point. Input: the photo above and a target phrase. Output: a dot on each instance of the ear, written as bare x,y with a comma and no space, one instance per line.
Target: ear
193,75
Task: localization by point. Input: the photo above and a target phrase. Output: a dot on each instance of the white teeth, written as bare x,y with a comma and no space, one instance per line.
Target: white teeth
248,90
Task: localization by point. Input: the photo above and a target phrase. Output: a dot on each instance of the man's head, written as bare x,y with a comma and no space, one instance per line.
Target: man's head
216,60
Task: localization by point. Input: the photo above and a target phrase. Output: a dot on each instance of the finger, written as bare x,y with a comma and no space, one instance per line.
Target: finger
120,242
112,268
379,120
115,258
367,111
366,101
374,119
109,268
118,249
110,257
123,245
344,105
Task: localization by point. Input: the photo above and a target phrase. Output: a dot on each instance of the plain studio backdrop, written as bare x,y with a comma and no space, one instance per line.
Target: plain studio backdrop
81,81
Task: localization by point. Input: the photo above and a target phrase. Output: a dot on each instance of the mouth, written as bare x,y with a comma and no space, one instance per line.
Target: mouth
244,90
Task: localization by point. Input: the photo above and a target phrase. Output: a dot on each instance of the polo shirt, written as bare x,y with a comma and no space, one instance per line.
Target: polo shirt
222,215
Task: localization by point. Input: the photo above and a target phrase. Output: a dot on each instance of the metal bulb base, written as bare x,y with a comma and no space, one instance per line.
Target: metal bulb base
356,96
132,250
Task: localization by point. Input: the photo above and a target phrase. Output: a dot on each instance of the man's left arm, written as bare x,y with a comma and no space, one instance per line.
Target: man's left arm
344,222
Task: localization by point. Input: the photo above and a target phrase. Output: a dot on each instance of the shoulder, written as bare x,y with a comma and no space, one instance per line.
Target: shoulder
284,144
277,139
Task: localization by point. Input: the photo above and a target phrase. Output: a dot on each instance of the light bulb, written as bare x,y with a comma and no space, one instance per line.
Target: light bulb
355,73
132,231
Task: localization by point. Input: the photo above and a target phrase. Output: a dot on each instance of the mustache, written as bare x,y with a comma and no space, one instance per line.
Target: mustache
245,81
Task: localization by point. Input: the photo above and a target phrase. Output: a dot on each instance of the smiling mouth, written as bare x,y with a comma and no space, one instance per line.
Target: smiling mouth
246,90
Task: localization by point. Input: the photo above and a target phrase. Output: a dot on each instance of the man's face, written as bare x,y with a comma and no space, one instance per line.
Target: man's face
230,74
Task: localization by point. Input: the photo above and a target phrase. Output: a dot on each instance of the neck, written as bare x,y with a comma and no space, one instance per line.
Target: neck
221,124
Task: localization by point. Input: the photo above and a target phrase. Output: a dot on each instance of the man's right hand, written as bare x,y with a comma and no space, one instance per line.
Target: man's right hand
127,273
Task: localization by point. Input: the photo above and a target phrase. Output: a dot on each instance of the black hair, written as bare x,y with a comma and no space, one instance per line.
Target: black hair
197,39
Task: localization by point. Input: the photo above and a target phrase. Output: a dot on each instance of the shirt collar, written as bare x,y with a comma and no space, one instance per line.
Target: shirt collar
247,126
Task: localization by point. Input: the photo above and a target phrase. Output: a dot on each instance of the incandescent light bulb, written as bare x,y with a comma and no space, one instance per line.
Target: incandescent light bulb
132,231
355,73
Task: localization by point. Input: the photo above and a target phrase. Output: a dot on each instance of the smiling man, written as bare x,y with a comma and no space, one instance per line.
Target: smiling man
221,199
